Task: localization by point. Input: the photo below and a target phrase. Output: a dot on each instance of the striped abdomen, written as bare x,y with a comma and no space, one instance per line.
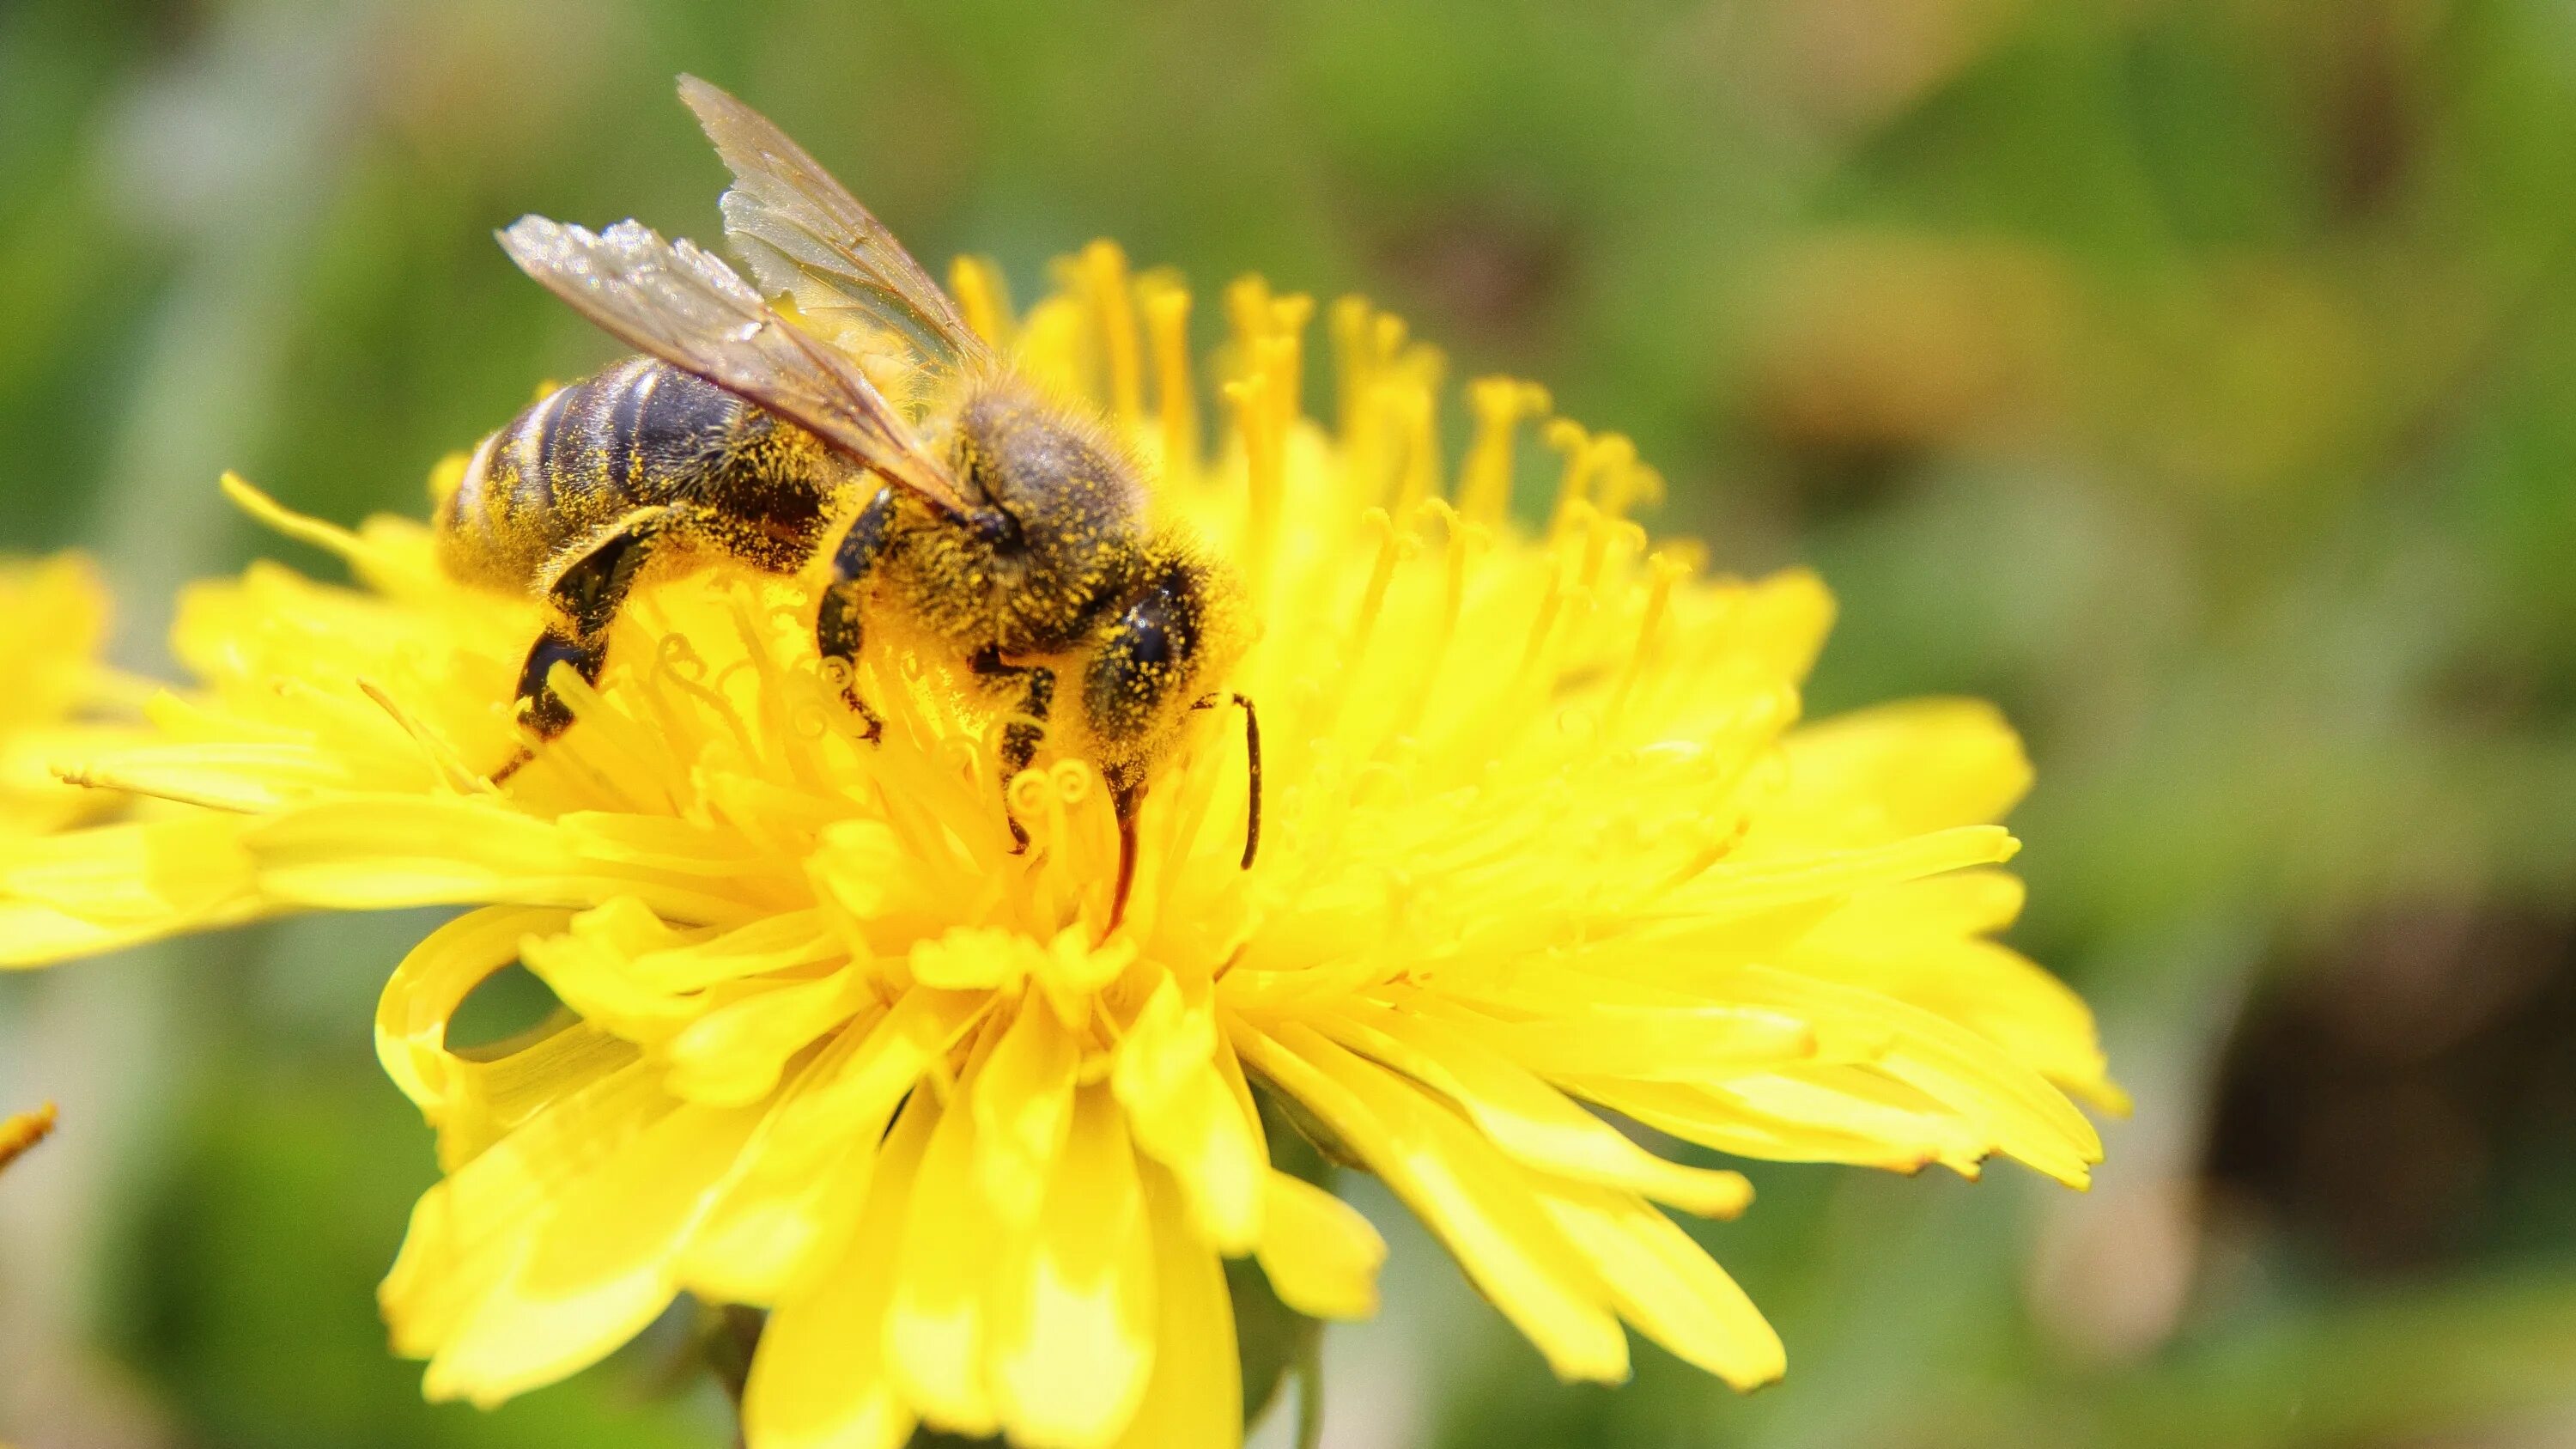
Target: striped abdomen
641,434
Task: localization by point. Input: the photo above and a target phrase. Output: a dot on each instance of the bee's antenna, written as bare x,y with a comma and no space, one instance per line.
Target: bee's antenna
1252,759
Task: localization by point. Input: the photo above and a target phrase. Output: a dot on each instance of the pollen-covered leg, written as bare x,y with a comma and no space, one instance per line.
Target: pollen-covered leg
836,623
581,603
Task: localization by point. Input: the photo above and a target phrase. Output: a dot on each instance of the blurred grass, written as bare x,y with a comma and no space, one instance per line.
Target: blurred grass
2194,377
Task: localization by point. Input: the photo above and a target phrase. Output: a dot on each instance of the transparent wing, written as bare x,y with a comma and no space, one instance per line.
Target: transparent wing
689,309
805,236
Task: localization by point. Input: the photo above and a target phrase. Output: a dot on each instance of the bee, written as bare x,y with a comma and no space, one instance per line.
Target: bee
1004,527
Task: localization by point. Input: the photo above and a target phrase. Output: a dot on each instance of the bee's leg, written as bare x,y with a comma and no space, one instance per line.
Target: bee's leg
1020,735
836,623
581,603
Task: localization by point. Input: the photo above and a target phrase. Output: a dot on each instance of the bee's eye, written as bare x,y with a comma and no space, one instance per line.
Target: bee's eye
1145,641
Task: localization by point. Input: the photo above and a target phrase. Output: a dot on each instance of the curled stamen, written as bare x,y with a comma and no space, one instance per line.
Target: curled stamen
960,755
1030,794
1072,781
674,655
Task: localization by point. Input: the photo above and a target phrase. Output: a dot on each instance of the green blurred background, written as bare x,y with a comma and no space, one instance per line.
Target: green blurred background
2195,377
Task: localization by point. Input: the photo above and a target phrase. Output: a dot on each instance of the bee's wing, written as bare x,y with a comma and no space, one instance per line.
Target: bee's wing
689,309
805,236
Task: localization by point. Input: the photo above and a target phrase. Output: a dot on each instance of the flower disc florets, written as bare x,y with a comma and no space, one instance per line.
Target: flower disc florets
1543,835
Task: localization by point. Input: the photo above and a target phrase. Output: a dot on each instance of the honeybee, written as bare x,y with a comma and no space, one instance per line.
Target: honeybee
1002,526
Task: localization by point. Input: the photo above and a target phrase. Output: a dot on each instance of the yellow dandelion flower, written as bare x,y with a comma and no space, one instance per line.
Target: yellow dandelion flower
56,613
1545,844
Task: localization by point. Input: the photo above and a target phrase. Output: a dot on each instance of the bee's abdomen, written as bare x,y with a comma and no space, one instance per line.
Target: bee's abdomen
638,434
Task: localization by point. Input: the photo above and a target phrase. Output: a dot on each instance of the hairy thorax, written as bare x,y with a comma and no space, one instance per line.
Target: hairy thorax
1059,535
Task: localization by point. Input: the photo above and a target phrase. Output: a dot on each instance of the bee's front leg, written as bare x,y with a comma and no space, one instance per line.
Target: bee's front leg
836,623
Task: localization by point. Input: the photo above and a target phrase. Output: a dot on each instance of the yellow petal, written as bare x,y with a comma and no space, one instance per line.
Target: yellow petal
1672,1044
1902,769
432,981
1755,882
364,853
819,1379
589,965
471,1231
766,944
1531,1121
792,1210
1469,1194
973,958
1666,1285
882,1065
1074,1338
2025,1116
114,885
1183,1111
603,1265
938,1326
732,1054
1195,1397
1023,1105
1804,1115
1320,1255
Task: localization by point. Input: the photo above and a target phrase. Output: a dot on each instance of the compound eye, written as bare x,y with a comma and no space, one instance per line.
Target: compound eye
1142,661
1144,640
